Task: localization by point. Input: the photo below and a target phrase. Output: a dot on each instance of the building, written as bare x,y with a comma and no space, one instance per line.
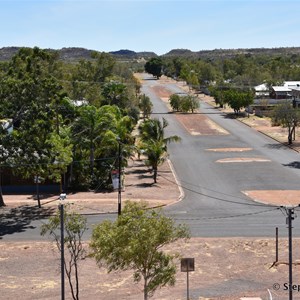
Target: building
262,91
280,92
283,91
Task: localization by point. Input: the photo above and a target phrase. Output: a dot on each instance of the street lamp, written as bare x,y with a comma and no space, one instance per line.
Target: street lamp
62,244
120,181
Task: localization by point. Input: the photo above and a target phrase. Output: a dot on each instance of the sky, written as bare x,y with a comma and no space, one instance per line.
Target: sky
150,25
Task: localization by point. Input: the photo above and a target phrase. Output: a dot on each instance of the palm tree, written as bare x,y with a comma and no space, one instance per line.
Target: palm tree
154,143
87,129
96,132
145,106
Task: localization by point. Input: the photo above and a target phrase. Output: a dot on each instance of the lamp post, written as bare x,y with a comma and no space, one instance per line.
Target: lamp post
62,245
120,179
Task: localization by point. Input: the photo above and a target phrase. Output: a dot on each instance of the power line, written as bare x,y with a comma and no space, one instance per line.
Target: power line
56,163
227,217
217,198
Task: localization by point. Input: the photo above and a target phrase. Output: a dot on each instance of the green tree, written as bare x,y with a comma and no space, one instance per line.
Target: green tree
114,93
175,102
154,143
4,153
154,66
189,103
96,132
104,67
135,241
31,97
288,117
145,106
238,99
88,129
75,226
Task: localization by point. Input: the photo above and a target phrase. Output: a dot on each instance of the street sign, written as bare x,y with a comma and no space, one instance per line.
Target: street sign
187,264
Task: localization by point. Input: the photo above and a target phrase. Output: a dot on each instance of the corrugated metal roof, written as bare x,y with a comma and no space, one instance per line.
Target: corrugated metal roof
261,87
281,89
291,83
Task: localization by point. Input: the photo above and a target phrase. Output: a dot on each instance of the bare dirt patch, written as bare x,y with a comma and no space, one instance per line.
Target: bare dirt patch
279,197
224,269
198,124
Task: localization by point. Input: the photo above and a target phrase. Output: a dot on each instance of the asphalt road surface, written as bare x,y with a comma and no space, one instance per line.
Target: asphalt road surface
214,204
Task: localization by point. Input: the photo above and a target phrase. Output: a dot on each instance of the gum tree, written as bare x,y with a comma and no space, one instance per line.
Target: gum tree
135,242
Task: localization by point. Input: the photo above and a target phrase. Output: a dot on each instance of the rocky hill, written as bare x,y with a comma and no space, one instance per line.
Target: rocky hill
75,54
232,52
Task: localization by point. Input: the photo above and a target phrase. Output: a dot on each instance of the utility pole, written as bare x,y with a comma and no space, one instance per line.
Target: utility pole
120,179
290,218
62,245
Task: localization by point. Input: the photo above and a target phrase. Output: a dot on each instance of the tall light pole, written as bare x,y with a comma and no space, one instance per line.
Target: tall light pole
120,179
62,245
290,218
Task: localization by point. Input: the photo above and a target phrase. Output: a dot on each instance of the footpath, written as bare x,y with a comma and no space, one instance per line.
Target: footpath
139,186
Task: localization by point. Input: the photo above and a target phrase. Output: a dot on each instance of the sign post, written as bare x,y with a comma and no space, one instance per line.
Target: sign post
187,265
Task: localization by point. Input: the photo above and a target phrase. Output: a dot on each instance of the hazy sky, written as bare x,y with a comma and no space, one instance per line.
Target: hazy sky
150,25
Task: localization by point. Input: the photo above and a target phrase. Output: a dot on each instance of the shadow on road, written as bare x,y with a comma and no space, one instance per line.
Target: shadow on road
276,146
294,164
18,219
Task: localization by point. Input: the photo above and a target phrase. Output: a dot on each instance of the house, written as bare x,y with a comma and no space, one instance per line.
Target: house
291,84
280,92
296,93
262,91
276,92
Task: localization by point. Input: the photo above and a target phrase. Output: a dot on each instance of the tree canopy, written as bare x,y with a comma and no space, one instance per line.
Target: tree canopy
66,118
135,242
154,143
154,66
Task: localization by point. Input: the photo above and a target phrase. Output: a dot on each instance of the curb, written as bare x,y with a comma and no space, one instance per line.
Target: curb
181,195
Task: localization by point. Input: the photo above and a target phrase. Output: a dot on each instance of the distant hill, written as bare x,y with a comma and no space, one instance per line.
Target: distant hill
76,53
232,52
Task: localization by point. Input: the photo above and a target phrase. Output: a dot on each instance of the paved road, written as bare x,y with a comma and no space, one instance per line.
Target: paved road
214,204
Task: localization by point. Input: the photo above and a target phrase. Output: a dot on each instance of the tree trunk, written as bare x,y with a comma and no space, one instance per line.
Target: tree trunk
290,136
92,159
145,289
155,174
1,195
1,198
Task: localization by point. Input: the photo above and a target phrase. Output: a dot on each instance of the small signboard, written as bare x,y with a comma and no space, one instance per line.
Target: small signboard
187,264
37,179
115,179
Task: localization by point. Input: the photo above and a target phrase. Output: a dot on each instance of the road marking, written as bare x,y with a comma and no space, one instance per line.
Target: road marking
242,159
229,149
